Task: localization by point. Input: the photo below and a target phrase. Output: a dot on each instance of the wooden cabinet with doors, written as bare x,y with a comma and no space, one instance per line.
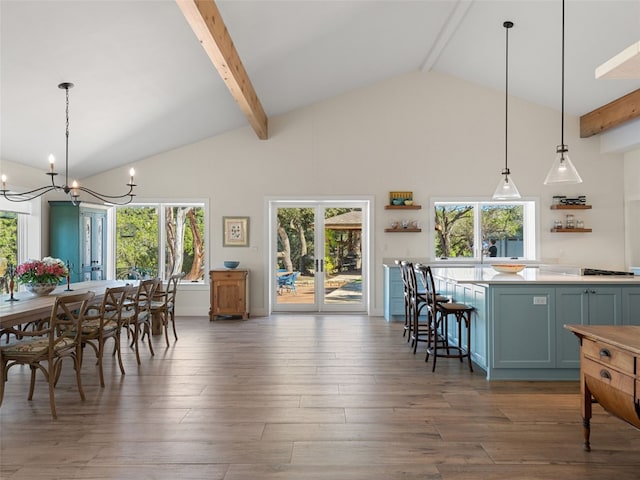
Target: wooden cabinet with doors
229,293
78,235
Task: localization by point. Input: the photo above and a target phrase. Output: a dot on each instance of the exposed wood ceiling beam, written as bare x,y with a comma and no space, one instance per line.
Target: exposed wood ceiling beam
610,115
206,22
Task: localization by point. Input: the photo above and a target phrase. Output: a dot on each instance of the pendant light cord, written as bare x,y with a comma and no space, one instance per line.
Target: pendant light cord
562,91
507,26
66,156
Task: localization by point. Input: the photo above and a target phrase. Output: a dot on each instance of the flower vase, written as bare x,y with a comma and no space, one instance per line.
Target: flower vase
40,289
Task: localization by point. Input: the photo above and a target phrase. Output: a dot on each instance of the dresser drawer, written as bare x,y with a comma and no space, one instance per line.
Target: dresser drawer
602,375
609,356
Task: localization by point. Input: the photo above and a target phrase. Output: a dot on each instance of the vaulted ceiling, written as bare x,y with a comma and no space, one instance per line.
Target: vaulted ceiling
144,84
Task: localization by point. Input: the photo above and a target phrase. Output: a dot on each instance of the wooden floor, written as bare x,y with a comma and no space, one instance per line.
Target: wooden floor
304,398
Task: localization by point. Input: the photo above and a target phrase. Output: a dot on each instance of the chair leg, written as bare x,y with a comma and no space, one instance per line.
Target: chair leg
52,398
117,347
173,323
32,385
2,381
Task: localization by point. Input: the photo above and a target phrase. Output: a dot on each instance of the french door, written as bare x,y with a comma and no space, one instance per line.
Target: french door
319,252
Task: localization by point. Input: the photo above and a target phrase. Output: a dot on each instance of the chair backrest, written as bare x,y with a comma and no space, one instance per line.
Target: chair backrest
144,294
67,315
172,287
113,302
429,283
409,278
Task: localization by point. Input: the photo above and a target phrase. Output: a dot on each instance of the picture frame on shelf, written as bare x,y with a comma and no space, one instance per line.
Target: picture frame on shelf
235,231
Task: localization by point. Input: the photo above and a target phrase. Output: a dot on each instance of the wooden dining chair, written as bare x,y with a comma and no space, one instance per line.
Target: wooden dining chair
44,348
163,305
137,316
104,321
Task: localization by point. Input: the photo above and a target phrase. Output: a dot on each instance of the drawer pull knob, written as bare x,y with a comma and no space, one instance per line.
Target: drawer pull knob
605,353
605,374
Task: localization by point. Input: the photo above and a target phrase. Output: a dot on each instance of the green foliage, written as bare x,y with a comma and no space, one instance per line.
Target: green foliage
454,225
9,237
297,220
137,240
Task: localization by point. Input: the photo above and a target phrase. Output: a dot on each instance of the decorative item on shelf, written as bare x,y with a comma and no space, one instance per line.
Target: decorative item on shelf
562,170
231,264
506,189
557,224
557,199
408,202
395,225
400,198
569,223
74,189
41,277
579,200
405,223
579,224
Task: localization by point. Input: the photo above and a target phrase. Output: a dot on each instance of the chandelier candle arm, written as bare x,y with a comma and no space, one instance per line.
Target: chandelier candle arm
75,189
506,189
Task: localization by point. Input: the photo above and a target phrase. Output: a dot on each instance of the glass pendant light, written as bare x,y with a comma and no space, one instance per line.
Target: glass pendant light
562,170
506,189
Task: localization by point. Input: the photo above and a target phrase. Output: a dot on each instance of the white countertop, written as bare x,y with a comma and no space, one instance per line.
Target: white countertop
530,275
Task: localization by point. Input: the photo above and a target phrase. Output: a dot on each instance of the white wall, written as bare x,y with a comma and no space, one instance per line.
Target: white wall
429,133
632,207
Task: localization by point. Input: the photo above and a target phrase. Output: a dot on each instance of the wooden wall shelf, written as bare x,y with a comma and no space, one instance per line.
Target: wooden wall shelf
402,230
571,230
402,207
570,207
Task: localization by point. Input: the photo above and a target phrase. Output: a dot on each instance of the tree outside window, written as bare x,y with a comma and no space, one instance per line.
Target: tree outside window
464,229
160,240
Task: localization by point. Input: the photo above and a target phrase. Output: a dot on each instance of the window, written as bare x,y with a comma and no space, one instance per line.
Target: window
464,230
8,245
160,240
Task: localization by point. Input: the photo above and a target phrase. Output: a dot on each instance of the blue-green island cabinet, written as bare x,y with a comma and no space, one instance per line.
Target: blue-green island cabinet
393,298
517,329
78,235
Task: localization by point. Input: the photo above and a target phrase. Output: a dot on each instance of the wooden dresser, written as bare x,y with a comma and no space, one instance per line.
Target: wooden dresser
609,362
229,294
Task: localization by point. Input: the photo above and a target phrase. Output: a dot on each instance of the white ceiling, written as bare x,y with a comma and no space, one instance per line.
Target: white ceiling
144,84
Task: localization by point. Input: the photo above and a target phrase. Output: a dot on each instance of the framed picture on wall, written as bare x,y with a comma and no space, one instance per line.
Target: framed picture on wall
236,231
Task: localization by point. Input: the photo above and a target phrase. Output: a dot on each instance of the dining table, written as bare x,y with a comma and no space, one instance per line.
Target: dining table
28,307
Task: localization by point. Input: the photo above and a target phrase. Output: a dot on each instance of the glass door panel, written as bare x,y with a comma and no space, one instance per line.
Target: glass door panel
318,257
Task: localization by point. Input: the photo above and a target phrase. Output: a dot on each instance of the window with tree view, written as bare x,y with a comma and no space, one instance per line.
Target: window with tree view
8,245
160,240
465,230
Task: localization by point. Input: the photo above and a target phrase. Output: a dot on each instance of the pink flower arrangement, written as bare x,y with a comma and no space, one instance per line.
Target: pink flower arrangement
47,270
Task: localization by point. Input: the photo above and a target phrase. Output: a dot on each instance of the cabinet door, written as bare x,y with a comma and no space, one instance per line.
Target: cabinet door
92,245
630,305
572,308
524,334
585,305
228,296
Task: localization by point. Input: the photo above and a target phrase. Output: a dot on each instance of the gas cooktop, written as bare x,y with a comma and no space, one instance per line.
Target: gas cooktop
595,271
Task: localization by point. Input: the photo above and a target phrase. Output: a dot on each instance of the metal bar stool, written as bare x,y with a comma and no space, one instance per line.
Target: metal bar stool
439,345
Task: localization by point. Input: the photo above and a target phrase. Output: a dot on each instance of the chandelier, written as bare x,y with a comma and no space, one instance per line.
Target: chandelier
74,189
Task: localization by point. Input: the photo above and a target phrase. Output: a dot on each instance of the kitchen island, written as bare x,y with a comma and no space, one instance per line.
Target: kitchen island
517,330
